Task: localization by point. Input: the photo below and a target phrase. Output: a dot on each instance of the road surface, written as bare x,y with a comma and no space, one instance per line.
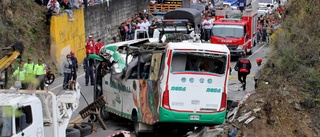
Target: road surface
118,124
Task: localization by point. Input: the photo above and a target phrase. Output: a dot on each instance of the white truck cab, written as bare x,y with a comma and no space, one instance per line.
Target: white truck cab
34,113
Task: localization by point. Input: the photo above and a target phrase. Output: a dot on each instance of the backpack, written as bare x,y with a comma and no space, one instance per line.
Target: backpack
244,66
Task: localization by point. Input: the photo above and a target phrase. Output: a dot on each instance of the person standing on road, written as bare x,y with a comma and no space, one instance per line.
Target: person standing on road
88,66
98,46
66,70
74,66
258,72
40,72
243,67
20,75
207,25
90,44
29,66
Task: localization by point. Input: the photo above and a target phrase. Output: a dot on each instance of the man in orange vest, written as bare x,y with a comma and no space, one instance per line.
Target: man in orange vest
243,67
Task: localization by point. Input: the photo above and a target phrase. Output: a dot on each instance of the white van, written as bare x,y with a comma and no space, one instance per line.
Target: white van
171,84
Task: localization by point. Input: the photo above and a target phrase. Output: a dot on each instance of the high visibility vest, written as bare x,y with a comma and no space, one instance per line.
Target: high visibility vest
40,69
29,67
20,74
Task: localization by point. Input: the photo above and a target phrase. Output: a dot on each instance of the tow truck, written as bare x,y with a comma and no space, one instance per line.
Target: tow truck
237,29
36,113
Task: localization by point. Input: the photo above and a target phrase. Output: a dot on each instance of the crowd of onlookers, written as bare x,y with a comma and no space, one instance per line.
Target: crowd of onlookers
141,21
57,6
269,23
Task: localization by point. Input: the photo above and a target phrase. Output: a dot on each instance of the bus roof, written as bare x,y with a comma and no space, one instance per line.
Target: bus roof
199,46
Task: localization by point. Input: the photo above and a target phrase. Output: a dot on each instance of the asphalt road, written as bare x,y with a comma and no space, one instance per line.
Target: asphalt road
117,125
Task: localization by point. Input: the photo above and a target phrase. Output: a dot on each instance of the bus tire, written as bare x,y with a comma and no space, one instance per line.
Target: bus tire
134,118
72,132
105,114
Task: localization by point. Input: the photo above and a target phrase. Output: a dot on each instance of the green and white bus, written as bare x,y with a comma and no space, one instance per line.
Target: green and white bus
181,83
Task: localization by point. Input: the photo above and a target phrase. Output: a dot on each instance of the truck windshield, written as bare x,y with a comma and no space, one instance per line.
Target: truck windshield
198,62
5,121
235,31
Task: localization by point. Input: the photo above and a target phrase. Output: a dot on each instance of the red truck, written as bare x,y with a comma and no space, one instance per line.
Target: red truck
237,29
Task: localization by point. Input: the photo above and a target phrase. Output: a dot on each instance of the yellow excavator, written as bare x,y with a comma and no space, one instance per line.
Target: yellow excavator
7,57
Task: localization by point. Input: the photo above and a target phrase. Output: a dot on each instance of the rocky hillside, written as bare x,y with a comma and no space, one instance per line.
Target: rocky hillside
24,21
289,92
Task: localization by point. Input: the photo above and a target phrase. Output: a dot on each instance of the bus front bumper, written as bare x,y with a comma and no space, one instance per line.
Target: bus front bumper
215,118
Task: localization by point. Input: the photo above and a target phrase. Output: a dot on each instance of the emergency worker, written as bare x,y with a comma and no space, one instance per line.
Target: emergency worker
90,45
66,70
20,75
74,66
88,66
243,67
98,46
258,72
29,66
40,72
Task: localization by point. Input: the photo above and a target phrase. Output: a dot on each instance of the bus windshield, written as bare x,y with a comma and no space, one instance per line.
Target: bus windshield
5,121
198,62
228,31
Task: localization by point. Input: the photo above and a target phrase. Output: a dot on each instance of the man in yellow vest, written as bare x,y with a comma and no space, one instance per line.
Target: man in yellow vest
40,72
29,67
20,75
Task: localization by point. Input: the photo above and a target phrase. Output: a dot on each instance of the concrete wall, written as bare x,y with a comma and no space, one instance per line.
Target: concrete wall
66,36
103,24
95,20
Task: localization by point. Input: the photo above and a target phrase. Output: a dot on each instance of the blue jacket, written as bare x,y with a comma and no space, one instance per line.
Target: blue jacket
74,62
88,63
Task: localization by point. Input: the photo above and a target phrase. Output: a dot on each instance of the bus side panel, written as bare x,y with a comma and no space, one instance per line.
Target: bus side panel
147,100
112,95
128,88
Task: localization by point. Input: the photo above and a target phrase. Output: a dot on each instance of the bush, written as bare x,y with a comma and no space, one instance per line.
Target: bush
295,53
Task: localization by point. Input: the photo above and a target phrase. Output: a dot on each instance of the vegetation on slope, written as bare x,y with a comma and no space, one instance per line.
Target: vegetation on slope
23,21
290,101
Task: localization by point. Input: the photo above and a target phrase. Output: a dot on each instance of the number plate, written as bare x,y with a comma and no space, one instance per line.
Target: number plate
194,117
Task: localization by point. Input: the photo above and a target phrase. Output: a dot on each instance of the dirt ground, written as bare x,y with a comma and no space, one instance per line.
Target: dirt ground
279,114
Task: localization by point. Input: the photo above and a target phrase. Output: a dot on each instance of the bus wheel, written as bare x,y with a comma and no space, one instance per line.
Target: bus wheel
135,123
104,114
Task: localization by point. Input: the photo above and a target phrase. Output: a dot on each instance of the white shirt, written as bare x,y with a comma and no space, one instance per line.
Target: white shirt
207,26
269,10
56,6
258,72
146,25
141,25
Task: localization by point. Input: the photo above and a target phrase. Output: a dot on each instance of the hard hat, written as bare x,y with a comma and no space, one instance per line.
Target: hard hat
90,36
72,52
68,56
259,60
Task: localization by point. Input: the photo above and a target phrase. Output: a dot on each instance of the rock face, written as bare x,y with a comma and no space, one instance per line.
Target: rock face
16,25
